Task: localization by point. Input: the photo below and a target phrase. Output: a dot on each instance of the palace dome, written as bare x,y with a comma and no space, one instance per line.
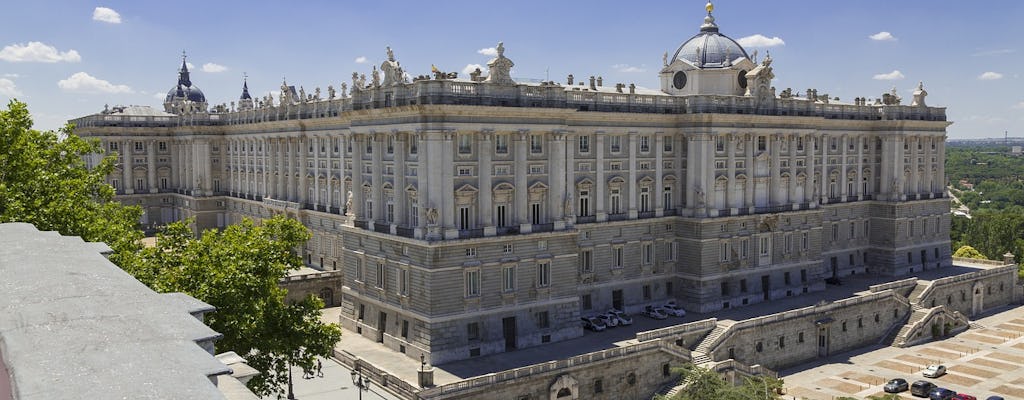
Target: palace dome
192,93
709,48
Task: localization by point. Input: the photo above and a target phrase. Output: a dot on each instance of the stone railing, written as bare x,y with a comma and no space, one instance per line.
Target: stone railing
751,370
800,312
950,280
304,277
921,327
965,260
535,369
900,284
390,383
696,326
463,92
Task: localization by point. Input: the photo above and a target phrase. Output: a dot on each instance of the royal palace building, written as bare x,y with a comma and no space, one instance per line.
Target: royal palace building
478,215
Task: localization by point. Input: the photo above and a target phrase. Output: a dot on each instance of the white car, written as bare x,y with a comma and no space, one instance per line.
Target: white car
594,324
624,319
655,313
609,320
673,310
934,371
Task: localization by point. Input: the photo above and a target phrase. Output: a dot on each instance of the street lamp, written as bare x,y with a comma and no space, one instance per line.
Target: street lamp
362,384
291,394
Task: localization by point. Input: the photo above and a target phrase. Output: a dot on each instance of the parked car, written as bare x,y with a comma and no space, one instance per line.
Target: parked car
962,396
609,321
896,386
673,310
934,371
941,394
995,398
653,312
594,324
624,319
921,388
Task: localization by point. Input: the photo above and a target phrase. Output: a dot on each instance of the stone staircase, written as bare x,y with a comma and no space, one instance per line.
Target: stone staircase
917,315
890,336
702,353
920,288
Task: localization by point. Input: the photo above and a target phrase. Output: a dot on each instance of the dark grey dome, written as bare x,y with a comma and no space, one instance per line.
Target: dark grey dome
191,93
715,50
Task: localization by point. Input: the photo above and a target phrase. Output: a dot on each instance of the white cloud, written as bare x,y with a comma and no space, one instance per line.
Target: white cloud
7,88
892,76
1019,106
37,52
472,67
191,67
83,82
214,68
990,76
628,68
883,36
12,76
361,60
759,40
996,52
107,15
490,51
160,96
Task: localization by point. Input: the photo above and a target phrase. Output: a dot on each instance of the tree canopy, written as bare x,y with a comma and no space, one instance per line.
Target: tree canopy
701,383
45,181
237,270
966,251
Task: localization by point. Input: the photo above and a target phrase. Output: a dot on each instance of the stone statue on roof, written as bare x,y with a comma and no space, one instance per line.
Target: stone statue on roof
500,68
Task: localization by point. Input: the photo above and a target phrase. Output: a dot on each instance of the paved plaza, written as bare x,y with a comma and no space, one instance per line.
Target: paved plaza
986,360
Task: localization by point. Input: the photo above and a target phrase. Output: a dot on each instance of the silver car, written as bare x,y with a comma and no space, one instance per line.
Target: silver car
624,319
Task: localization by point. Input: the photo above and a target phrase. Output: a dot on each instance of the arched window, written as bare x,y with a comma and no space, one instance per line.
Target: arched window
327,295
564,392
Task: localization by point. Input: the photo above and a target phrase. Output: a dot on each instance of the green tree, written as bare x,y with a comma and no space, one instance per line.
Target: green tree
702,383
45,181
966,251
237,271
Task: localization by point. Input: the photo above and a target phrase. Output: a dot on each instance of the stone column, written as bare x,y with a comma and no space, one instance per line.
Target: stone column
358,195
775,169
859,185
845,145
556,177
126,165
522,214
446,185
316,172
730,200
691,173
485,206
600,192
294,146
342,171
914,155
207,161
282,168
570,179
377,179
631,184
940,161
791,193
751,168
401,198
151,166
659,184
824,169
809,186
302,146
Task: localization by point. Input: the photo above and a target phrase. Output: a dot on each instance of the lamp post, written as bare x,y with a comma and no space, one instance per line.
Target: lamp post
362,384
291,394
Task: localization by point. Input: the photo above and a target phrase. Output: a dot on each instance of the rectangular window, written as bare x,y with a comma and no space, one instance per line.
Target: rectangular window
648,253
502,216
719,143
723,252
381,275
535,214
835,232
471,252
614,144
584,144
647,292
536,144
472,283
586,302
785,277
803,241
138,146
502,170
667,145
765,246
359,269
586,261
543,274
670,251
668,289
414,144
473,331
543,322
803,276
465,142
508,248
645,144
743,285
617,257
403,281
744,248
501,144
405,328
508,278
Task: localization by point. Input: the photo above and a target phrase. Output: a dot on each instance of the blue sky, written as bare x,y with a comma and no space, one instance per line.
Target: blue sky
69,58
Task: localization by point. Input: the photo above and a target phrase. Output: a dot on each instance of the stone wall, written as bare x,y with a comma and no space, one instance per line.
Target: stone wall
326,285
972,293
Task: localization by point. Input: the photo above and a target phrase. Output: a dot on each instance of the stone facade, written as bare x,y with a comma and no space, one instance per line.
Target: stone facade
476,216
